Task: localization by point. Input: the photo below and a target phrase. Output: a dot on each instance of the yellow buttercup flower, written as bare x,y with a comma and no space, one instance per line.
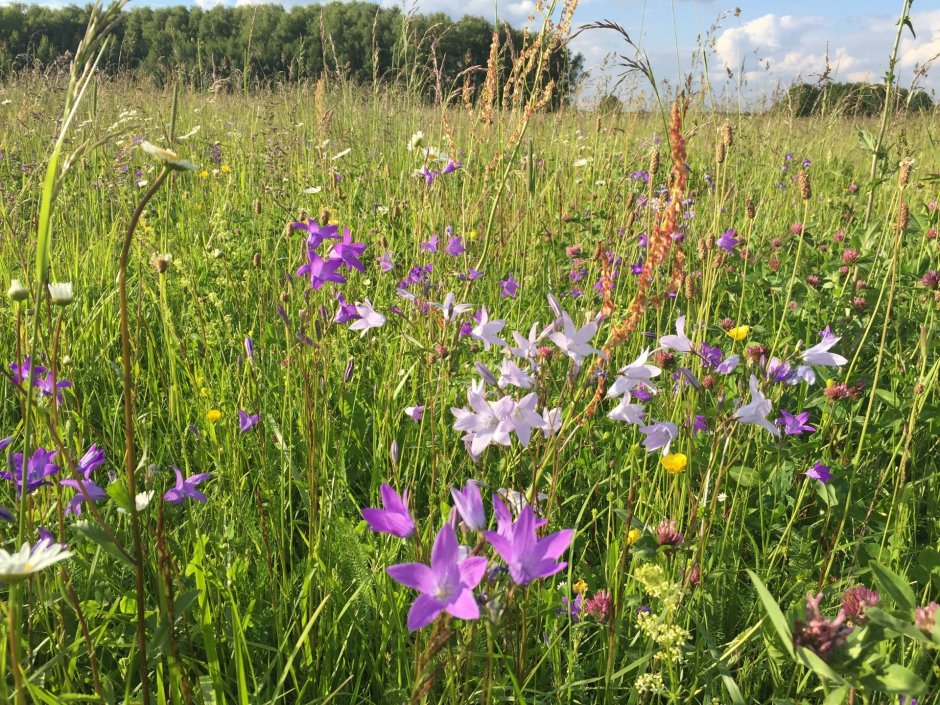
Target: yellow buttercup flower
633,536
739,332
226,168
674,462
213,415
473,234
580,587
203,174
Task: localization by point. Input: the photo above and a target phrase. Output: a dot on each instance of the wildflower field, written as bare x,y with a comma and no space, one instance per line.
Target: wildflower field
330,394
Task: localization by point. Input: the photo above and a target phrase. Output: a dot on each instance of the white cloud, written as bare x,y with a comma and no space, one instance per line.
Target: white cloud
769,38
775,48
926,46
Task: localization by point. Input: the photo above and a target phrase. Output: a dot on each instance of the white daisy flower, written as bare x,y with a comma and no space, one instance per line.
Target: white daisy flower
61,293
19,566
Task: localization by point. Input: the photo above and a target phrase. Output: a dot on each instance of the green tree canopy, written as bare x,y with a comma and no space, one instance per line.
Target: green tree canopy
854,99
270,43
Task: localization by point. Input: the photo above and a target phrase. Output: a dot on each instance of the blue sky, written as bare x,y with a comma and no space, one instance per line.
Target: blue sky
765,45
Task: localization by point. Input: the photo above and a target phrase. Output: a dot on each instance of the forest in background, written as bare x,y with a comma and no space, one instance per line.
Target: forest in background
269,44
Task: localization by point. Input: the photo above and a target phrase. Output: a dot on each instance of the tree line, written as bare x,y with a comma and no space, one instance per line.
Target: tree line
268,43
851,99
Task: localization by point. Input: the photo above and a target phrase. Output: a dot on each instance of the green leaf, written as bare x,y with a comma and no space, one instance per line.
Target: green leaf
774,612
118,492
894,585
897,680
743,476
95,534
930,560
837,696
889,398
818,666
867,140
897,624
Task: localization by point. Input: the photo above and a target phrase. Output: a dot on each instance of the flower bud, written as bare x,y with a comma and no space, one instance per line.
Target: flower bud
654,162
17,292
720,152
803,181
904,172
61,293
904,217
162,262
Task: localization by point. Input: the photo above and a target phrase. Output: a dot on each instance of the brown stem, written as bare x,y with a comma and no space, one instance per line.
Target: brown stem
89,646
129,461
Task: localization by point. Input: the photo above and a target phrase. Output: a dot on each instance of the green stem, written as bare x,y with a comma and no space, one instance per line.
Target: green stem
889,84
796,267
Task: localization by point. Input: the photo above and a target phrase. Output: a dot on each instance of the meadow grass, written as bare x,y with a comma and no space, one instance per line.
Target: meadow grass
275,590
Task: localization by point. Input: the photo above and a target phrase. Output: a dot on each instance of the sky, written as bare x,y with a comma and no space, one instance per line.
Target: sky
753,46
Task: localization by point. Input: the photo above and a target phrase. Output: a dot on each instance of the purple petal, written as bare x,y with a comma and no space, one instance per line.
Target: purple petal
417,576
424,611
444,552
173,496
500,544
556,544
547,568
385,522
472,571
464,607
391,500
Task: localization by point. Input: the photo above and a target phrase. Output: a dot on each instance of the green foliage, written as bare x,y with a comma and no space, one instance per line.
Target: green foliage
609,104
848,99
267,44
279,592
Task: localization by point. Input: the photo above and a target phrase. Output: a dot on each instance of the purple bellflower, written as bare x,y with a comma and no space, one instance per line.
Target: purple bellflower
348,252
39,467
186,488
445,586
245,421
316,234
794,425
728,241
21,372
469,504
89,462
321,271
819,472
527,556
455,246
394,519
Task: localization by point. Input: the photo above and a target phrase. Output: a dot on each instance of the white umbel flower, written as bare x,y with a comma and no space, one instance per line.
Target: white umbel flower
28,560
